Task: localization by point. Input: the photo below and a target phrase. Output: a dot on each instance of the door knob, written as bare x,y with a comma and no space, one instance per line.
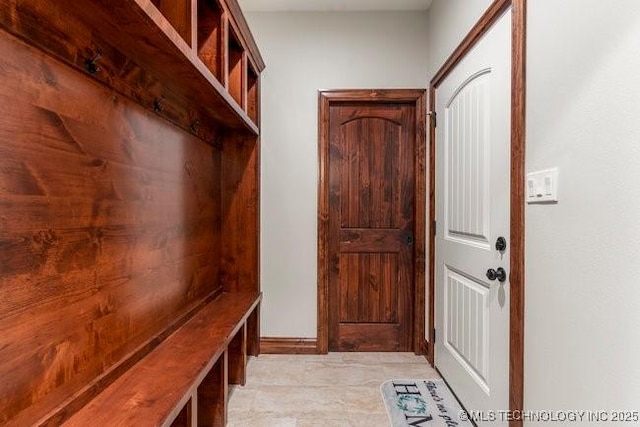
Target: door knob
501,244
499,274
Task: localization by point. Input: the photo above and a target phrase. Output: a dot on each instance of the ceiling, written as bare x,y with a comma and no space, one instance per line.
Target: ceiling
331,5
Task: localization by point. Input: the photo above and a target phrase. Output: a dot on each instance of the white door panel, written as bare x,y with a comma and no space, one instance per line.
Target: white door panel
472,201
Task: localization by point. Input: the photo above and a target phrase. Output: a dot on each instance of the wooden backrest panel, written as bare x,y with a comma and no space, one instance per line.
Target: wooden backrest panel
240,262
109,228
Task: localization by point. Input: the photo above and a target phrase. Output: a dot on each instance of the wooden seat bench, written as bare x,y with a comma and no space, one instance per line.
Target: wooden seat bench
184,380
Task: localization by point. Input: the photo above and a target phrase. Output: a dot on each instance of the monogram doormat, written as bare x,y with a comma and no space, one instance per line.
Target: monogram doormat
418,403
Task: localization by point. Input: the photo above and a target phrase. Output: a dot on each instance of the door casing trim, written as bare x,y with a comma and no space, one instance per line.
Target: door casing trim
517,202
405,96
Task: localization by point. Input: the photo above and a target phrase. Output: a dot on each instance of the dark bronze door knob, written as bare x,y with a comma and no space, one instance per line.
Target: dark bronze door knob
499,274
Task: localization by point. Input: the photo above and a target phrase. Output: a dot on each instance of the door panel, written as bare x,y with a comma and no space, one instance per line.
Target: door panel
368,294
466,190
466,324
472,203
371,178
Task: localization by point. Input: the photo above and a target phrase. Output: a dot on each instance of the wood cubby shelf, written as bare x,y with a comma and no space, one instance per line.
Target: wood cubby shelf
184,416
145,32
237,68
211,30
178,13
253,90
212,393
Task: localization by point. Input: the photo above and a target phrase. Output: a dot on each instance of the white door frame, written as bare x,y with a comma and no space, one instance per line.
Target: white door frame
517,202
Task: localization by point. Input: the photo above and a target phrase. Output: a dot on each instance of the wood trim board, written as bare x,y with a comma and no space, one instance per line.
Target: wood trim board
276,345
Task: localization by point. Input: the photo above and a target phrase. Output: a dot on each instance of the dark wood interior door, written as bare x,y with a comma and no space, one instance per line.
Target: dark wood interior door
371,225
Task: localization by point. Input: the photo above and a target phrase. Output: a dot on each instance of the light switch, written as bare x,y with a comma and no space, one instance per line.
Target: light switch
542,186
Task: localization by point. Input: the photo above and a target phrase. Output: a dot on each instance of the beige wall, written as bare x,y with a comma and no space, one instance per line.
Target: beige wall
305,52
582,255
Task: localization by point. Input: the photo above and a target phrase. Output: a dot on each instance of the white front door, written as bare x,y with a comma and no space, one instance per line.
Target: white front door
473,108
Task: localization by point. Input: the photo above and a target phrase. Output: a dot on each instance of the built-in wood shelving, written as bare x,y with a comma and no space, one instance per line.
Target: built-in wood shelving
237,68
211,30
215,30
184,416
178,13
140,116
185,43
253,93
213,394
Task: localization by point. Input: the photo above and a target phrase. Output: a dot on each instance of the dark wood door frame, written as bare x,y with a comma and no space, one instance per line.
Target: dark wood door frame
405,96
518,117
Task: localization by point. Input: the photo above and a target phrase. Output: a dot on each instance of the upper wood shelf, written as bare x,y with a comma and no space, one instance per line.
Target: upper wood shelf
185,44
193,43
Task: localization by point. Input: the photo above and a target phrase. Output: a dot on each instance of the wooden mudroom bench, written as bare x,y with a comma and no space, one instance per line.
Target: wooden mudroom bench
183,381
130,200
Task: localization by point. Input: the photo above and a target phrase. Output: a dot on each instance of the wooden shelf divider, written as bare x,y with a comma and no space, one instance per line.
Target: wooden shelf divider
211,44
184,416
253,90
178,13
237,68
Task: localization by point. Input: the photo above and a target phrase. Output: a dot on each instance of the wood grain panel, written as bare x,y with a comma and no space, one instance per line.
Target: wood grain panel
371,187
239,269
331,205
74,42
372,167
110,229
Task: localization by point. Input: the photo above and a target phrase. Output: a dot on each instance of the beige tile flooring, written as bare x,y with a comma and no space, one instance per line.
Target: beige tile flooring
338,389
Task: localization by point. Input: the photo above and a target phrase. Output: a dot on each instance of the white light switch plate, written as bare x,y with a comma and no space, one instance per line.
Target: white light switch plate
542,186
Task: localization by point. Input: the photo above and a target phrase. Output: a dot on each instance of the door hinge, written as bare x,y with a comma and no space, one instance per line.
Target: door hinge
434,117
434,227
434,335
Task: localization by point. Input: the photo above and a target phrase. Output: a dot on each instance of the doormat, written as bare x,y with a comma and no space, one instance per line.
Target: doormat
417,403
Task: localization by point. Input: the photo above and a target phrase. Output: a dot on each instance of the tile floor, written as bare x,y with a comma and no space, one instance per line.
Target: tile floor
334,390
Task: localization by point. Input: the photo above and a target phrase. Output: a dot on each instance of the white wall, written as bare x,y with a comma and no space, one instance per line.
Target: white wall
448,22
305,52
582,255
